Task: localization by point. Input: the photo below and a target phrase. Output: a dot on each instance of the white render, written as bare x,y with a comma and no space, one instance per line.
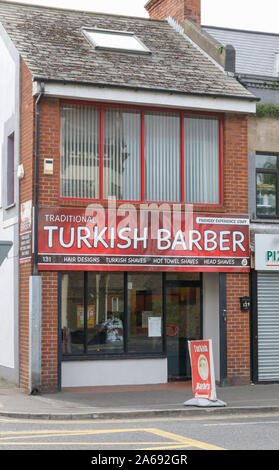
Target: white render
147,98
9,123
113,372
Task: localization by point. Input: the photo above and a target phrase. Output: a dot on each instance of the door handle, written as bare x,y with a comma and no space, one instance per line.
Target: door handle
225,315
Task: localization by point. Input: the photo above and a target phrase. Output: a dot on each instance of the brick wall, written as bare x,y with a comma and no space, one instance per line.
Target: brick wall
235,164
26,193
48,195
49,331
238,331
179,10
235,202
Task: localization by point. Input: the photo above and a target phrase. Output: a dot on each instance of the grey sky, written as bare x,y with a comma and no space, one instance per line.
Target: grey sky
243,14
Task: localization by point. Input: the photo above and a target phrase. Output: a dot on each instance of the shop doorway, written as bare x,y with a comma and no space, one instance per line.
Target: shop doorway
183,323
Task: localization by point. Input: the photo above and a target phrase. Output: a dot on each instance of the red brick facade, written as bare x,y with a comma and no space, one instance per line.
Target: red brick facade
26,193
235,183
238,330
179,10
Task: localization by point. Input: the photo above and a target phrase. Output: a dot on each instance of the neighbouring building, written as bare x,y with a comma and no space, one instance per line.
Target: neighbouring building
125,190
257,67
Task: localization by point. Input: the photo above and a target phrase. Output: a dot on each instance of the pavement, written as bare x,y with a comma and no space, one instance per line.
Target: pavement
141,401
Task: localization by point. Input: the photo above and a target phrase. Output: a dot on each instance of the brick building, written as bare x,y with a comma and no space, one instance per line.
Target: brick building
125,170
257,68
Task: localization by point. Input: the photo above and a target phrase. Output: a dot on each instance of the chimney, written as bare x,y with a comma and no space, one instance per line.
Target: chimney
179,10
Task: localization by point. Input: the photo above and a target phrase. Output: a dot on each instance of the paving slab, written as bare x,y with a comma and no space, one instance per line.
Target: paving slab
132,401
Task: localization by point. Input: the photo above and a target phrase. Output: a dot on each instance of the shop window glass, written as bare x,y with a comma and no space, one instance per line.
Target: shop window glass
72,315
145,313
105,302
201,149
183,276
121,161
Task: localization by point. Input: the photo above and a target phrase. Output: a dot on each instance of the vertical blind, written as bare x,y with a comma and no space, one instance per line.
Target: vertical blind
201,155
162,157
124,176
121,161
80,155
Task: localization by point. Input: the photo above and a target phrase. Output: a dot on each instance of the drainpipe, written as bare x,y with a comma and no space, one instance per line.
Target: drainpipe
36,182
35,281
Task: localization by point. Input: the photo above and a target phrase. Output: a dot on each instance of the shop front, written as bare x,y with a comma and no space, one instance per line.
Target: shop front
149,282
265,285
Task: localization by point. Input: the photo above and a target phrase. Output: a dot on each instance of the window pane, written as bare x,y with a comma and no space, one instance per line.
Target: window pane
266,194
266,161
183,276
72,322
201,154
80,152
10,170
145,312
122,154
162,157
115,40
106,312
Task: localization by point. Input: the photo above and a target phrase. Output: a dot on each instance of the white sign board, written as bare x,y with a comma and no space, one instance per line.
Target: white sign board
154,327
266,252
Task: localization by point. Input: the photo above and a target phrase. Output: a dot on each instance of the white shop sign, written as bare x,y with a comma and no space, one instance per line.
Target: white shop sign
267,252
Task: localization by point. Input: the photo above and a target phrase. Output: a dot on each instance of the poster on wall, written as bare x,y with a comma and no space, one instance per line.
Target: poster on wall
25,232
203,374
141,240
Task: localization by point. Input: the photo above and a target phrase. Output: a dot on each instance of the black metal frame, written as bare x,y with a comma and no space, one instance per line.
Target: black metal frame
125,354
254,331
198,284
254,325
223,328
273,171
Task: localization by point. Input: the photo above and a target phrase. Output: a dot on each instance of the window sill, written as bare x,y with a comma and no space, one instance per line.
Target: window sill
10,206
262,220
113,357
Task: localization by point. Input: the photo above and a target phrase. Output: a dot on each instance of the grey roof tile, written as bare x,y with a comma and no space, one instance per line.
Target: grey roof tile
255,51
53,47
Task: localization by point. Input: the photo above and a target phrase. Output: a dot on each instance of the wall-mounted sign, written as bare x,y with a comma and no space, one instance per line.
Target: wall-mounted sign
25,232
126,239
245,303
266,252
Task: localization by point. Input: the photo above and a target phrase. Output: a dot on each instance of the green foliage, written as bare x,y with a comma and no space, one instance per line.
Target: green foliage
267,110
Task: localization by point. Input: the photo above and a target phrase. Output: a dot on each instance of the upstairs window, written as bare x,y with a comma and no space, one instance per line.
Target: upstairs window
10,171
139,155
267,172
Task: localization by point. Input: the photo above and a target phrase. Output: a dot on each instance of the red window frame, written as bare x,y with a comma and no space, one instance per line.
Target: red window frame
142,109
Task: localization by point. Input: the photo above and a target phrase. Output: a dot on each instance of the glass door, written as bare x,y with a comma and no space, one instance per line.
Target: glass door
183,323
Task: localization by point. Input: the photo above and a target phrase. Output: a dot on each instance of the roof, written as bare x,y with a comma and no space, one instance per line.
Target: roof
255,51
51,43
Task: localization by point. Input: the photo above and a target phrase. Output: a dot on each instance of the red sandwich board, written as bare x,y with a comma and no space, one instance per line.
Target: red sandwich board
203,376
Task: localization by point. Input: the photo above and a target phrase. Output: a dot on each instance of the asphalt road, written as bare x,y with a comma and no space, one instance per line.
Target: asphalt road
160,436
